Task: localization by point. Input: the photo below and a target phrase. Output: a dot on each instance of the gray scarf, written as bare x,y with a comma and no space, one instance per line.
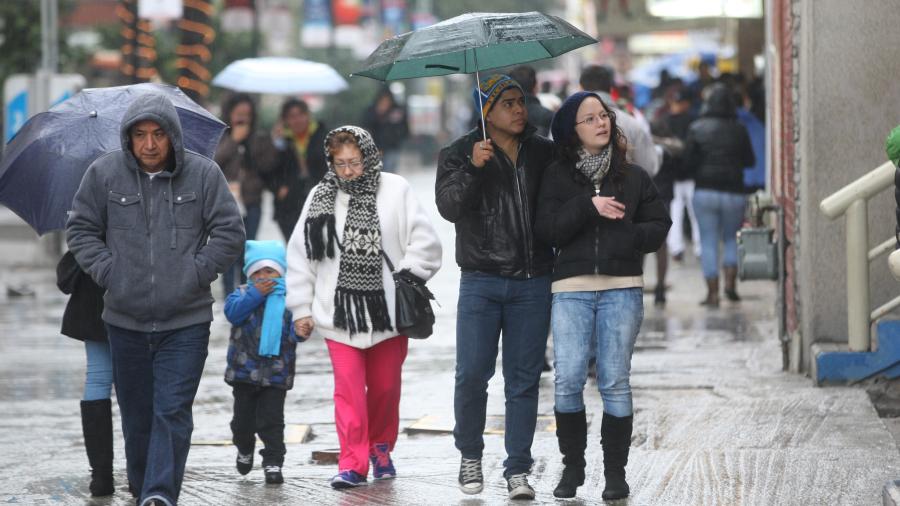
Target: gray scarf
359,286
594,167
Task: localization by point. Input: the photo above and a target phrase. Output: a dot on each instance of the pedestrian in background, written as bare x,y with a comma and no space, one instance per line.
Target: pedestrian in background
81,320
602,214
153,224
755,175
538,115
669,130
488,189
249,161
676,120
298,138
339,286
386,120
717,150
261,356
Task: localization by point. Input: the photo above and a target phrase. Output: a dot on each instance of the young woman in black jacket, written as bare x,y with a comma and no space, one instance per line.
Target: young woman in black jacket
82,321
717,150
601,214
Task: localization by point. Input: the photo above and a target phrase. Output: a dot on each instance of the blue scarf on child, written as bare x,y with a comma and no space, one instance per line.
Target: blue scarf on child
273,320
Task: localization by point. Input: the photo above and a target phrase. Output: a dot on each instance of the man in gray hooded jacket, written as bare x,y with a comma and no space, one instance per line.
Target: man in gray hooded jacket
154,224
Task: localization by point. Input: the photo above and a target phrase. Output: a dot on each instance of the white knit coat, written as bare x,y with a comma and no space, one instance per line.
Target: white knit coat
408,239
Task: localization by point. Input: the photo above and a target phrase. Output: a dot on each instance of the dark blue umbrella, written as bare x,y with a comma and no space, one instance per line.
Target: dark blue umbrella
45,161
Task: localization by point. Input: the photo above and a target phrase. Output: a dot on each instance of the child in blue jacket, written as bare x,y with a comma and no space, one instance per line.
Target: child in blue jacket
261,355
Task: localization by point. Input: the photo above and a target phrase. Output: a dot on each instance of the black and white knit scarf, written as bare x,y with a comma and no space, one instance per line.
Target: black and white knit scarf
594,167
360,289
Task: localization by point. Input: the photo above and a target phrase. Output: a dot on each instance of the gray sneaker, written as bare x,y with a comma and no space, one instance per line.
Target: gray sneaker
518,487
471,480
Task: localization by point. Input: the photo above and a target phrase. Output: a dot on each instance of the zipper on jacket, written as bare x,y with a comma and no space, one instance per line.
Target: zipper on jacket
522,199
150,234
597,241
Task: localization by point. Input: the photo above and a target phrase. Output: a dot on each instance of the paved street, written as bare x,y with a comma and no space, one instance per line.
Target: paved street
716,422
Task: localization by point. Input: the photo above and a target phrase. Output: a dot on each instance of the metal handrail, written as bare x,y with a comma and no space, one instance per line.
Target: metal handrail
863,188
851,201
881,249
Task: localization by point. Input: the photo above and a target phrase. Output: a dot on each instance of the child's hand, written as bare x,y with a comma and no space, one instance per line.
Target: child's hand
304,327
265,287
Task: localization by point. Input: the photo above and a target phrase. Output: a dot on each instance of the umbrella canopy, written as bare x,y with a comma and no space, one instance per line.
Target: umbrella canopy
471,43
280,76
45,161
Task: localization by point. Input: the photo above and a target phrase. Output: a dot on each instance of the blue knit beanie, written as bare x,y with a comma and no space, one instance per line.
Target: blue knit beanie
491,87
563,125
259,254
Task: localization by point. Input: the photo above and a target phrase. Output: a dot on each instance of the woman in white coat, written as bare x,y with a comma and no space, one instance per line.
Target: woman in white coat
340,288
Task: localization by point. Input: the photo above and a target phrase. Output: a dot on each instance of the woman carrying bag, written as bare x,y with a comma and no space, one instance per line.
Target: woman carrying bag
601,214
340,288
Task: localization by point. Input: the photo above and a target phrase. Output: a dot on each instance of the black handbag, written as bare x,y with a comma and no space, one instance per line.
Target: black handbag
414,316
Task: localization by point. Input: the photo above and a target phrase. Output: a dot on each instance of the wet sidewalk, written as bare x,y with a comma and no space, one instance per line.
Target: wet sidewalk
716,422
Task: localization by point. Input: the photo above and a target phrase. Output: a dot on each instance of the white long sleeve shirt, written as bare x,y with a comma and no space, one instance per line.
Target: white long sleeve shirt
641,149
408,239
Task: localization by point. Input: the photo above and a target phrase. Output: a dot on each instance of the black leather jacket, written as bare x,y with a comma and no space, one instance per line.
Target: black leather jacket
494,207
587,243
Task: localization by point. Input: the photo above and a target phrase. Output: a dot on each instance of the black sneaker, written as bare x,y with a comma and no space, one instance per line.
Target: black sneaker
471,480
518,487
273,474
244,462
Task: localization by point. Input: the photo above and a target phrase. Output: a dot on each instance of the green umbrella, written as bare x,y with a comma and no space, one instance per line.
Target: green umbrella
471,43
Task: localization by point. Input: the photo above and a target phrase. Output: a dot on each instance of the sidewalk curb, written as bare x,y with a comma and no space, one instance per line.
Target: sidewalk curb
891,493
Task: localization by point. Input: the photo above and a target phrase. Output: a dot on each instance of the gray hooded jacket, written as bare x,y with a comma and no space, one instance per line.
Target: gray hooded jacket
155,244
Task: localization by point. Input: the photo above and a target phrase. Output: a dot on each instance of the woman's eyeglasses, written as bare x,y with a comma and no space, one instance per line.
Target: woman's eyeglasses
353,164
590,120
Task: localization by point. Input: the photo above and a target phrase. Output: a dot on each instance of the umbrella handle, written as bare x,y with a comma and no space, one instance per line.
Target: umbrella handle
478,89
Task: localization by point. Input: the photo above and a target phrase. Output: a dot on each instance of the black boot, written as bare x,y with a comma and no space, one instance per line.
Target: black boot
615,434
731,284
96,424
571,432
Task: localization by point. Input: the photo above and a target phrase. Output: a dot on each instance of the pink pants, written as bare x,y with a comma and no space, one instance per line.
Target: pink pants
366,398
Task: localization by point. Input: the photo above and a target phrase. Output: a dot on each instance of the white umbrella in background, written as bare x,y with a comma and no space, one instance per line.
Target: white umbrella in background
280,76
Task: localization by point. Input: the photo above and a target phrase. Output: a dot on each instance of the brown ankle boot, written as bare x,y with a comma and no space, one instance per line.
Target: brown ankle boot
712,293
731,284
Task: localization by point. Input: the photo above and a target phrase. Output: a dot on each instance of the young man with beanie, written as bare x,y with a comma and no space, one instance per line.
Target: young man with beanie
261,355
154,224
488,189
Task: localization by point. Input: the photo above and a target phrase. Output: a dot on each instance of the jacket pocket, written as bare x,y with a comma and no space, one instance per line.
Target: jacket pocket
186,209
122,210
128,289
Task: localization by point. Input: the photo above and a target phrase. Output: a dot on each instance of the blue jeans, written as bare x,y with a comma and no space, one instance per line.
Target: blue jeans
605,322
98,375
157,375
236,270
719,215
520,309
